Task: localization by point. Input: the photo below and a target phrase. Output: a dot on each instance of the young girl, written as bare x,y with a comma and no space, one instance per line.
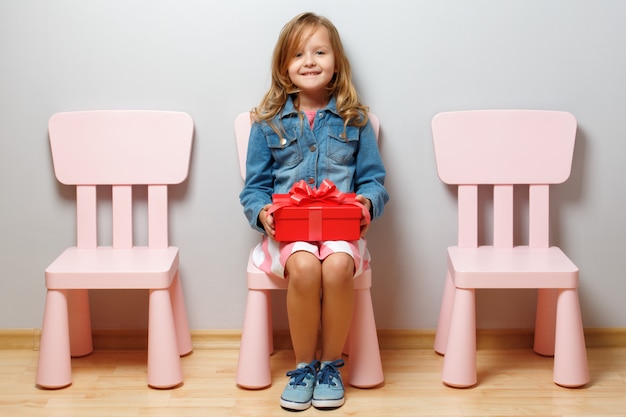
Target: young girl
311,126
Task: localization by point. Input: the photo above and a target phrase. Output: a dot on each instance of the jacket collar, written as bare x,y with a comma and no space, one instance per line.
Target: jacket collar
290,109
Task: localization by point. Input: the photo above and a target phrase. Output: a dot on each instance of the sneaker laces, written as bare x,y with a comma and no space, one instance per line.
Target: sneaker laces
297,375
329,372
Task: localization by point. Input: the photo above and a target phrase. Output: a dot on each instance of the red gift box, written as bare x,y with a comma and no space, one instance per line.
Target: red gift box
314,214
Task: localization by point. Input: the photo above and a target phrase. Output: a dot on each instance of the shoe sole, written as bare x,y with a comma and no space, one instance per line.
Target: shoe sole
290,405
328,403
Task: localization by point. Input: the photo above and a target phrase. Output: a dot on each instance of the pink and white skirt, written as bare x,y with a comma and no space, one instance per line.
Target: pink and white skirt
270,255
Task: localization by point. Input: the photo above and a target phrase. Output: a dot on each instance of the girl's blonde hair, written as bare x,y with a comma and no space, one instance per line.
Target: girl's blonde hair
341,87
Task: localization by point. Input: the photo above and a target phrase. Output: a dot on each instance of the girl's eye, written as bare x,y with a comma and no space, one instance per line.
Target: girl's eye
320,53
298,54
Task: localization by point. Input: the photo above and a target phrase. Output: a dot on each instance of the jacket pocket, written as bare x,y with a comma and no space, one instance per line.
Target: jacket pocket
342,146
285,150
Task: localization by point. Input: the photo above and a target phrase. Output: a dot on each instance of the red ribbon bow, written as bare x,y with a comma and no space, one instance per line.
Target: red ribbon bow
301,194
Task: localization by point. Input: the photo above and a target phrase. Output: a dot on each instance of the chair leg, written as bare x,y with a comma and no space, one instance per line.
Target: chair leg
54,368
81,342
459,364
445,314
366,368
253,367
164,366
545,321
181,322
570,354
270,326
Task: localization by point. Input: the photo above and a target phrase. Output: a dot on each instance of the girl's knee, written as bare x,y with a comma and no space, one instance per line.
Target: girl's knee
340,262
303,270
338,268
302,263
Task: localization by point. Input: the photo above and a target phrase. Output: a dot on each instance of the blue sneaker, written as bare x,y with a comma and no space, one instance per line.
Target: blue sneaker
329,392
299,390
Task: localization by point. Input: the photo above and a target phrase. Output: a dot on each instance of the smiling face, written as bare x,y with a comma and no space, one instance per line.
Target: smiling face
312,67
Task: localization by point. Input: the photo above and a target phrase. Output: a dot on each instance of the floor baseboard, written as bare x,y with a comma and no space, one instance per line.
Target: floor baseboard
388,339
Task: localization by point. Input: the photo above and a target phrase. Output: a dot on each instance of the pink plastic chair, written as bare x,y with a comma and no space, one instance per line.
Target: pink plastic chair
119,149
506,148
253,368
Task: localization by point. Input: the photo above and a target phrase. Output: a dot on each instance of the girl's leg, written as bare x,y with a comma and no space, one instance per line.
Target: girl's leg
303,303
337,303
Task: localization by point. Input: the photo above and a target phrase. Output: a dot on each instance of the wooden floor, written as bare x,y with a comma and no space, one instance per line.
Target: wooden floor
511,383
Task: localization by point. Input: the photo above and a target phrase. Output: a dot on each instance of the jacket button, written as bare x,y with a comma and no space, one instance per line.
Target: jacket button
311,180
312,148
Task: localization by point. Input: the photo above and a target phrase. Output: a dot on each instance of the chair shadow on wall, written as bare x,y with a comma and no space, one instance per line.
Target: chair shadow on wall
388,258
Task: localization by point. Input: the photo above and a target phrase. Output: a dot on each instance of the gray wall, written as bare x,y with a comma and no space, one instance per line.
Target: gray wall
411,60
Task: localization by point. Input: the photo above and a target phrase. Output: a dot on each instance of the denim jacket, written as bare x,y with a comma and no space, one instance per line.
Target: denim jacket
349,158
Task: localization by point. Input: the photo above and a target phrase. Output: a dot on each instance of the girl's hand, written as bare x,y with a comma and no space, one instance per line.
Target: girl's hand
365,224
267,220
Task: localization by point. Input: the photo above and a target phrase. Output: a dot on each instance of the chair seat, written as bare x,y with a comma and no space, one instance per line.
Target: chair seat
108,268
518,267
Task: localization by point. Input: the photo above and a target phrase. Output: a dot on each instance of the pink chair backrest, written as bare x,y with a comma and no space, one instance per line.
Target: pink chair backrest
121,147
504,146
243,124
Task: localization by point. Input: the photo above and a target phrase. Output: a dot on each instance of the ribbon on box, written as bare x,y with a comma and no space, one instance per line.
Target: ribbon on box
301,194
